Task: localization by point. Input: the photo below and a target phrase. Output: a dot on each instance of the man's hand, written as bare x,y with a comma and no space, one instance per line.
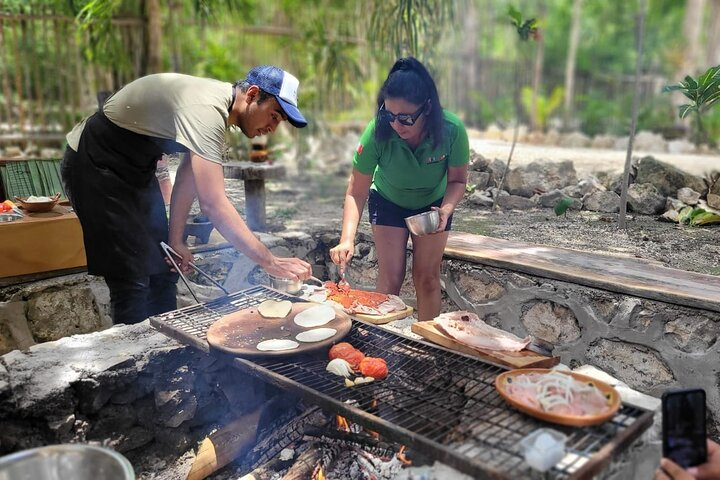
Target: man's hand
293,268
709,470
185,254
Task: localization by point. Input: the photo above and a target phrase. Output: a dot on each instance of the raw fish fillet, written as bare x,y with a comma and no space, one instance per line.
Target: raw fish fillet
467,328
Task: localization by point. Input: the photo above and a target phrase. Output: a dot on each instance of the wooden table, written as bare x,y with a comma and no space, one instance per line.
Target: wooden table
254,175
41,242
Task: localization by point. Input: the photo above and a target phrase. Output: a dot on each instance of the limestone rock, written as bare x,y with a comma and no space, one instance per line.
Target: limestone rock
575,140
666,178
637,365
607,202
515,202
603,141
644,198
649,142
551,322
478,287
539,177
57,314
688,196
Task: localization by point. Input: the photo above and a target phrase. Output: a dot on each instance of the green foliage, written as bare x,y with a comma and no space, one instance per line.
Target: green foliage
598,115
545,106
409,27
697,217
562,205
702,93
525,28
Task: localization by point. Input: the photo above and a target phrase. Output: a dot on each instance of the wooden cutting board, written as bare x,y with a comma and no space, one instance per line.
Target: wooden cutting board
238,333
386,318
521,359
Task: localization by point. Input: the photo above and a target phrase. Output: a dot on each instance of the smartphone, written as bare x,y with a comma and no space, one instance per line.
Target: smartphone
683,427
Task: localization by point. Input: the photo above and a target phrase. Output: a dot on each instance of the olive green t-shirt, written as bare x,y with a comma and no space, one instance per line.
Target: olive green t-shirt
412,179
191,111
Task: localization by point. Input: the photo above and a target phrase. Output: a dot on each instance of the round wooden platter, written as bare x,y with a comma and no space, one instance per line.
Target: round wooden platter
613,398
238,333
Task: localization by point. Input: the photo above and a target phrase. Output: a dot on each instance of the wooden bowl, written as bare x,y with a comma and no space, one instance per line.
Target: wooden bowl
37,207
611,395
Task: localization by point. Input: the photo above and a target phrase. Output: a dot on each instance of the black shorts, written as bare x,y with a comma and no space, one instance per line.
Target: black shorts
384,212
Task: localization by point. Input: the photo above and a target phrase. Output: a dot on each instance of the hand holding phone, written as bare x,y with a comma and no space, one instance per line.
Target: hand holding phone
683,427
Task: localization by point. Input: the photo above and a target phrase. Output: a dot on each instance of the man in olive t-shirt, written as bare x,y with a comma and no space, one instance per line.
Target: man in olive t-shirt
109,173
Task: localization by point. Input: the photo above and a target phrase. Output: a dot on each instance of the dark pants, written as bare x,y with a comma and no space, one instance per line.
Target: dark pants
132,300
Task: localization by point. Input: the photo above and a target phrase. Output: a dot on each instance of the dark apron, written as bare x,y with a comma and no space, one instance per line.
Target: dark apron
114,191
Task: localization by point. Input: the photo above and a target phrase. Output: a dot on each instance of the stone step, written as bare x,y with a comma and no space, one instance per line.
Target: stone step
636,277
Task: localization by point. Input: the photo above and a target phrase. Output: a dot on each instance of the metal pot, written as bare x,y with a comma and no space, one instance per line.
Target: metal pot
285,285
75,461
423,223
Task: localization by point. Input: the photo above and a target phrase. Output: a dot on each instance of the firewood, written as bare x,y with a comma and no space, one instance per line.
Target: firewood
306,463
224,445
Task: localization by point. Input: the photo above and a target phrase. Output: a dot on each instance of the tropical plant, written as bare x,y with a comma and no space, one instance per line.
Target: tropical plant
525,29
545,106
697,217
703,93
409,27
562,205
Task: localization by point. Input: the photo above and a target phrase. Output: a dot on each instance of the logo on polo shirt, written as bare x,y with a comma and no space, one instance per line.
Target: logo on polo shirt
439,159
359,149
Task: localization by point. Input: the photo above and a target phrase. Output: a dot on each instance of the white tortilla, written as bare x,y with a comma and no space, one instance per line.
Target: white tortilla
315,335
277,344
272,308
315,316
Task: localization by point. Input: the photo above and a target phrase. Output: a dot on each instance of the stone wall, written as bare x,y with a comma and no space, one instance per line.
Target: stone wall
127,387
647,344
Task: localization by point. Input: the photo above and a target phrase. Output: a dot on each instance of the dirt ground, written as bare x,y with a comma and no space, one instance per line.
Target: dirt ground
317,199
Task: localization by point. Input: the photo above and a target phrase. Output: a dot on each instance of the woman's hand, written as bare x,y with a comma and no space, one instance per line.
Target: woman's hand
444,213
342,253
292,268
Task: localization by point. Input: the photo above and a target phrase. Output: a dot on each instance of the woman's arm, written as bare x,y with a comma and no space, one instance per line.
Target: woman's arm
457,179
355,198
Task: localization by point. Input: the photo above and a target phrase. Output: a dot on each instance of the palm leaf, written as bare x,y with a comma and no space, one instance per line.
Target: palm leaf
705,218
562,205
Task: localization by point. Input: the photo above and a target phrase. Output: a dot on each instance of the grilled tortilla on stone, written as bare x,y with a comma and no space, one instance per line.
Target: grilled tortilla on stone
467,328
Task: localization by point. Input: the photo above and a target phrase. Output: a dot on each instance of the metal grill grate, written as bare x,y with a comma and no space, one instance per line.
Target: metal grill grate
439,402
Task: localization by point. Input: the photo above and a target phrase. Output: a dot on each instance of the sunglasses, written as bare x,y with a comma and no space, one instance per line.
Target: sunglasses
407,119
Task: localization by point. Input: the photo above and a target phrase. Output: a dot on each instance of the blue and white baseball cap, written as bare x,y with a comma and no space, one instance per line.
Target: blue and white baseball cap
283,86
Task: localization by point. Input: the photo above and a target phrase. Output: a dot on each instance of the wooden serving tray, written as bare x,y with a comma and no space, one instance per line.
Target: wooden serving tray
238,333
386,318
613,399
521,359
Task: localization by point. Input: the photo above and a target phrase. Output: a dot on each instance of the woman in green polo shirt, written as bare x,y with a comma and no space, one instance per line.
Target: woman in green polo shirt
412,157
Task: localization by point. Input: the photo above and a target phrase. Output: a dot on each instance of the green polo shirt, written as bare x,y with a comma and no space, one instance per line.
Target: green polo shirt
410,179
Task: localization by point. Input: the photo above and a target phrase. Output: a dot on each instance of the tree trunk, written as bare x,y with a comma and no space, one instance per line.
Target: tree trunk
640,33
154,36
574,40
692,28
537,72
712,47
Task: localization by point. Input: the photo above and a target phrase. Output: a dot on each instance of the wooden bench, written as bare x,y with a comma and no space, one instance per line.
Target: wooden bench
631,276
254,175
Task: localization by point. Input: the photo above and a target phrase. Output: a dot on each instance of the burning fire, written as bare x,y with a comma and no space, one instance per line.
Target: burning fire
401,456
342,423
319,475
